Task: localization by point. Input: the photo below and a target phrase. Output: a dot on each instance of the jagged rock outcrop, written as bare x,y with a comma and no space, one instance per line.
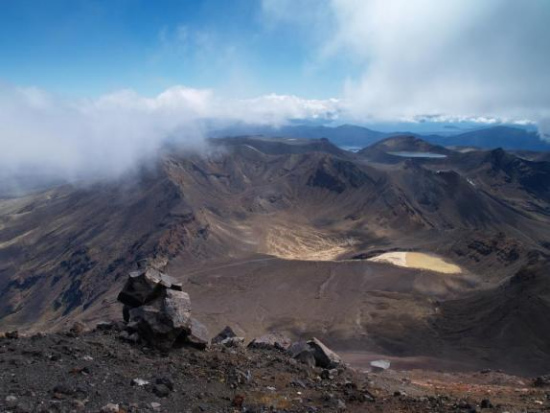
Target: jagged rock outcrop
158,311
302,352
312,353
145,285
324,357
271,340
198,335
226,333
228,338
315,353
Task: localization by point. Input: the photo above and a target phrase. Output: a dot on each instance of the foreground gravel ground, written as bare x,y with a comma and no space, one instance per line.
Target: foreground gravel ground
98,372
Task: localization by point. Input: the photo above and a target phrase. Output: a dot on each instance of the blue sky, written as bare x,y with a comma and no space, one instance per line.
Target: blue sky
90,48
100,84
391,60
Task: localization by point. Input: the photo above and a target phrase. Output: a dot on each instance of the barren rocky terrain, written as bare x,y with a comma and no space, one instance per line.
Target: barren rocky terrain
282,235
98,372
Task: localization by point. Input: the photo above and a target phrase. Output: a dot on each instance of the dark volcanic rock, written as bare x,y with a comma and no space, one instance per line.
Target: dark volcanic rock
198,335
486,404
542,381
145,285
307,358
77,329
139,379
299,347
105,325
324,357
158,312
11,402
315,354
161,390
271,340
226,333
12,334
303,352
164,320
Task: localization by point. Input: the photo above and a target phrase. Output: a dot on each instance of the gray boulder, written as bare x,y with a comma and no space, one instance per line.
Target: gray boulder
163,321
298,347
380,365
542,381
176,305
315,354
157,311
271,340
233,342
324,357
226,333
145,285
302,352
198,336
307,358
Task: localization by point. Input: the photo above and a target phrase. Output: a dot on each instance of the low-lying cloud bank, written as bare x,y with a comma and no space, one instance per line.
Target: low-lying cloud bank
451,59
424,60
74,139
112,134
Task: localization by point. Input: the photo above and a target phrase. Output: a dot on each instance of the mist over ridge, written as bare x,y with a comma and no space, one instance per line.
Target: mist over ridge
342,61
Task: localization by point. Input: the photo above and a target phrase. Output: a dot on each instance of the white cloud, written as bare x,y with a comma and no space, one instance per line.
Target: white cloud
421,60
454,58
276,109
114,133
457,57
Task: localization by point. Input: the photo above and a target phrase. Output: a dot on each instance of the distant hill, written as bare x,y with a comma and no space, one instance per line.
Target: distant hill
406,143
499,136
343,136
280,146
356,137
387,150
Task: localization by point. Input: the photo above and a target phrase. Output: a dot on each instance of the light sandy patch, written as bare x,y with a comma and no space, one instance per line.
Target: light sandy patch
431,262
395,258
418,260
304,244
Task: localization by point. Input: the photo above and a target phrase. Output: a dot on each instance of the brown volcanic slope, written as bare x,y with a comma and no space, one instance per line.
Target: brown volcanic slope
383,151
264,233
405,143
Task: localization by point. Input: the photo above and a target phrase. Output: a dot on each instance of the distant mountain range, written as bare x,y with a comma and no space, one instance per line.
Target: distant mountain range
505,137
357,137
